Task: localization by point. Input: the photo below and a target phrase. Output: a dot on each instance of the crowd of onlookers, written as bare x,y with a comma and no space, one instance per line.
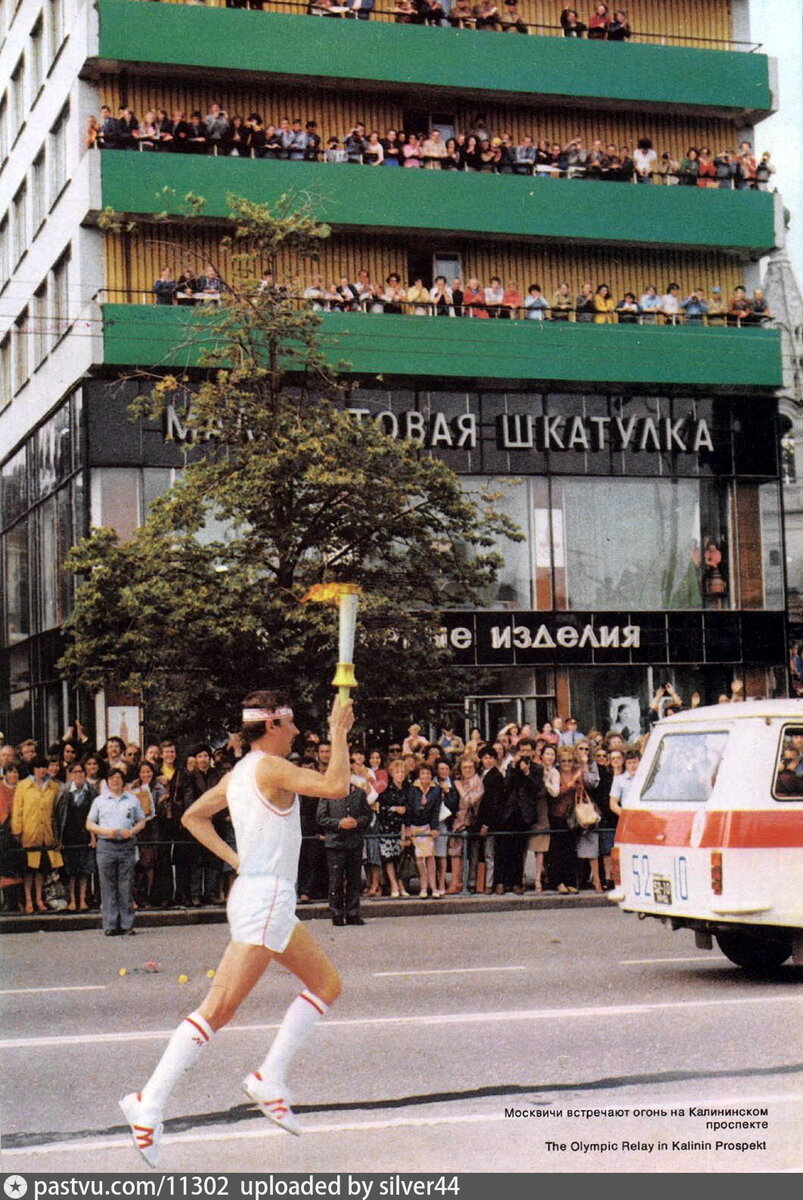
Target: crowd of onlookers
496,300
479,149
440,815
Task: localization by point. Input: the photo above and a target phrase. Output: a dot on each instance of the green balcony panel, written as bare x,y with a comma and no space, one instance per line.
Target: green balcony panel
416,57
447,201
381,344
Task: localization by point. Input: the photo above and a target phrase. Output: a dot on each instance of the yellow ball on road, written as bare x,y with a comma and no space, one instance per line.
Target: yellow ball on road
183,978
210,974
123,971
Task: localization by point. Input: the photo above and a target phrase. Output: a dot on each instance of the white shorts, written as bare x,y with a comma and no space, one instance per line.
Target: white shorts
262,911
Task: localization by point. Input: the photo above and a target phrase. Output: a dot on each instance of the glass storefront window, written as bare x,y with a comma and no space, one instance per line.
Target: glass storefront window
650,544
54,452
116,499
771,544
17,583
14,488
512,588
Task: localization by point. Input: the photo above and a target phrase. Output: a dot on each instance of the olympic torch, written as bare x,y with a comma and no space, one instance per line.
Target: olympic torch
347,598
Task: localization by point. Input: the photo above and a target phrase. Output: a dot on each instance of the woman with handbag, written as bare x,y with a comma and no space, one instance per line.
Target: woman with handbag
393,802
422,827
470,791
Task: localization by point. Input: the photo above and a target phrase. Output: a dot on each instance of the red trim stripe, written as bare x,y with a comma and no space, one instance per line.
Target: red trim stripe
737,829
200,1028
278,812
313,1000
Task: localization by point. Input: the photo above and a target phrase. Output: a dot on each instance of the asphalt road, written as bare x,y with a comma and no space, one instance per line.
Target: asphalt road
446,1027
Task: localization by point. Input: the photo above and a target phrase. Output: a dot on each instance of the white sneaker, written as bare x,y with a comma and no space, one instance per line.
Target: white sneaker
271,1100
146,1127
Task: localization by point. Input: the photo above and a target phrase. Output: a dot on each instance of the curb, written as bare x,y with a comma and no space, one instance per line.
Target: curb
155,918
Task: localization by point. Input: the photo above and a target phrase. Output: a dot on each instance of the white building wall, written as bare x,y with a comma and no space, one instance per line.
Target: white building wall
62,335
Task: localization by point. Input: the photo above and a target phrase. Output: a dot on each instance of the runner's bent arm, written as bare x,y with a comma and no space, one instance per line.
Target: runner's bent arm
198,819
276,775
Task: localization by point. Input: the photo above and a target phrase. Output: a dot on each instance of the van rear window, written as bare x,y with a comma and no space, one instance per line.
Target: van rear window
685,767
789,773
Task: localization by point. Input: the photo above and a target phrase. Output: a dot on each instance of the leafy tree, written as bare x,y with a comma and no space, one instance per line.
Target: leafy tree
288,489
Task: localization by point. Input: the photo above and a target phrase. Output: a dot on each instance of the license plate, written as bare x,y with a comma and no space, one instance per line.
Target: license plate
661,889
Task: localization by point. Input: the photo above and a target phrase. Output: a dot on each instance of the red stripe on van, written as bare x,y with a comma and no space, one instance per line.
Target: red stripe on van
737,829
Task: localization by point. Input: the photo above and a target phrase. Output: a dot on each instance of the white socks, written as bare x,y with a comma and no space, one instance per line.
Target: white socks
184,1047
300,1019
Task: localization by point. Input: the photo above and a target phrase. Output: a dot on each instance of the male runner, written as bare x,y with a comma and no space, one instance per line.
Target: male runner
261,794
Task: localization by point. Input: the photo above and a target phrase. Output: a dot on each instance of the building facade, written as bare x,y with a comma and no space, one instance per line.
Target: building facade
641,460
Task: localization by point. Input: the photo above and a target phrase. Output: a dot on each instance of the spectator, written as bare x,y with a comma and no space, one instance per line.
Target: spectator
441,301
373,154
706,169
517,814
422,828
716,309
619,27
740,309
585,306
573,27
562,862
627,310
539,841
535,304
644,160
394,802
392,148
604,305
598,22
726,166
412,152
759,312
562,304
461,15
433,150
10,866
72,809
695,307
148,792
764,170
486,15
115,818
343,823
512,18
622,783
670,303
571,735
33,822
450,802
164,289
668,170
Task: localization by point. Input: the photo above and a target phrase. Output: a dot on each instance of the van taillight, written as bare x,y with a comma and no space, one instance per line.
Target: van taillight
616,868
716,872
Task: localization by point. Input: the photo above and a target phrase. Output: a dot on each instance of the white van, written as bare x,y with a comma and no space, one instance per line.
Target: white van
711,832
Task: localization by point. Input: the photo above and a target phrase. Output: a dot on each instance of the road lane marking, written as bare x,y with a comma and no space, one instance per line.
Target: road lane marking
82,987
484,1018
697,958
447,971
118,1142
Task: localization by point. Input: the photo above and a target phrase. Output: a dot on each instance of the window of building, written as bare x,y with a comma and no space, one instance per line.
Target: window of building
39,321
21,336
37,58
649,544
53,453
58,155
54,520
60,315
38,192
14,489
18,97
17,583
55,27
5,265
116,499
512,588
5,372
3,128
20,207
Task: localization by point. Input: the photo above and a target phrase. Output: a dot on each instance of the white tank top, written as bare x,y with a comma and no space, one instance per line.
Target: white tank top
268,838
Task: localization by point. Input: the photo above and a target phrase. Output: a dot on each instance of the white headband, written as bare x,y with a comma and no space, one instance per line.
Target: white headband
265,714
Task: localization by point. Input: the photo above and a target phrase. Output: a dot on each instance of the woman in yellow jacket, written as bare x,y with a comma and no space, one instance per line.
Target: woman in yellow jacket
33,822
604,303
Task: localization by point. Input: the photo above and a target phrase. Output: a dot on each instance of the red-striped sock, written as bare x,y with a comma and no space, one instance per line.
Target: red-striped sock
189,1040
300,1019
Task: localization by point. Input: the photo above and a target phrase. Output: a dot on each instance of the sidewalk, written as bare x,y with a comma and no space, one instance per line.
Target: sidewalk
209,915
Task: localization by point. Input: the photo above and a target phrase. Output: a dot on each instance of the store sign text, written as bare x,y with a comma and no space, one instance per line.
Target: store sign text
522,431
567,637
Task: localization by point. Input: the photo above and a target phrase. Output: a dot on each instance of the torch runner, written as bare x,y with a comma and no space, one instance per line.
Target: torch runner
347,598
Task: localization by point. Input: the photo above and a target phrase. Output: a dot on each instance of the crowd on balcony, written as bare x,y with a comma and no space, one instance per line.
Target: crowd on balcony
477,150
602,24
82,828
472,299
